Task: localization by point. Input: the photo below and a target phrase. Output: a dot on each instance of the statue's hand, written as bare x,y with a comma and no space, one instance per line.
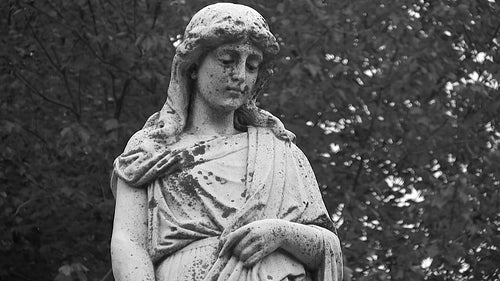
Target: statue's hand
255,240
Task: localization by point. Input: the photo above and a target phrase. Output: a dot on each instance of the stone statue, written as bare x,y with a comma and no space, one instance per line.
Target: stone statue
212,187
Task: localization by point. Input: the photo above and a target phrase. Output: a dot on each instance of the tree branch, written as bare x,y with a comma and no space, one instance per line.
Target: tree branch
52,62
40,94
119,101
70,93
358,174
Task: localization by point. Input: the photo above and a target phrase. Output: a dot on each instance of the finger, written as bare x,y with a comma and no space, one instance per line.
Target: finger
250,250
256,257
245,242
232,239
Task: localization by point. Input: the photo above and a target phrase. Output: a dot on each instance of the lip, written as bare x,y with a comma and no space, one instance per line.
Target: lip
234,90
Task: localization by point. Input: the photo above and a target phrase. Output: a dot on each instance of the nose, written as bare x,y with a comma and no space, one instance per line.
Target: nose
239,72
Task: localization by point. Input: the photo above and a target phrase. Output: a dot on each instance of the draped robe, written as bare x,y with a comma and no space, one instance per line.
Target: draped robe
277,182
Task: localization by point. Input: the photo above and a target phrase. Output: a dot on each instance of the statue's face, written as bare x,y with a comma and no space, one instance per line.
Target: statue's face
227,75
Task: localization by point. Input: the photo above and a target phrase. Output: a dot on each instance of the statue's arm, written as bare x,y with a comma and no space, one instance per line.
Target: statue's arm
129,256
304,242
257,239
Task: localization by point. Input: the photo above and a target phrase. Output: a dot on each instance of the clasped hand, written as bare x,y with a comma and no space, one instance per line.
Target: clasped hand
256,240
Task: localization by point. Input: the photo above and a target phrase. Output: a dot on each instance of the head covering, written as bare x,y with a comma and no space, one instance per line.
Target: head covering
212,26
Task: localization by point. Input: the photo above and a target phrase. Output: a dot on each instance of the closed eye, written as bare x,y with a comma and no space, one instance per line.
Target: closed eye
253,67
226,59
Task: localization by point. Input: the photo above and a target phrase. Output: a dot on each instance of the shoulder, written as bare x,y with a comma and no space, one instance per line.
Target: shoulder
277,129
295,151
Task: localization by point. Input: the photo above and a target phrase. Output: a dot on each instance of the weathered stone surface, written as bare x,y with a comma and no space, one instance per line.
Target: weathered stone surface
227,195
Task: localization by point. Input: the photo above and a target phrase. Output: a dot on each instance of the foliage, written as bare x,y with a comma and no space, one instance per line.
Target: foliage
395,103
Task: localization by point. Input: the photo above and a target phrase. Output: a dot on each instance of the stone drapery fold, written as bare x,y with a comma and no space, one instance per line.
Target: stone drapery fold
280,184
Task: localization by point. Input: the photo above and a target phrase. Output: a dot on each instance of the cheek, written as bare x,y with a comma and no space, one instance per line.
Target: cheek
212,83
252,79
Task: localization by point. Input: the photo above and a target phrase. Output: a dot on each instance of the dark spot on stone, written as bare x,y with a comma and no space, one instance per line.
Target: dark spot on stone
189,184
221,180
199,173
187,157
205,177
210,173
244,193
199,149
227,212
290,210
152,203
269,277
173,228
260,207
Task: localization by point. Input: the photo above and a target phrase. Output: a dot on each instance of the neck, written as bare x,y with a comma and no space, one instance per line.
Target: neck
204,120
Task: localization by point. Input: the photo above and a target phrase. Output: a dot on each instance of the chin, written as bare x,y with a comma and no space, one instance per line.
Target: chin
230,106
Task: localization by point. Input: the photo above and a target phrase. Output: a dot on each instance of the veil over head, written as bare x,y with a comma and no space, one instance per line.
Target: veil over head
213,26
210,27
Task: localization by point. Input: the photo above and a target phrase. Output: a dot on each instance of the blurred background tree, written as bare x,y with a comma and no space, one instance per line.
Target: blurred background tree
396,104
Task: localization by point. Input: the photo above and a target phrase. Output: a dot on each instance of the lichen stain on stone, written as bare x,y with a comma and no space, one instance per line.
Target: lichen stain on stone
221,180
187,157
260,207
250,177
227,211
152,203
199,149
290,210
189,184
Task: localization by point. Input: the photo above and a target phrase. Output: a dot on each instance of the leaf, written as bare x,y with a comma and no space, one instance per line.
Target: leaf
64,273
111,124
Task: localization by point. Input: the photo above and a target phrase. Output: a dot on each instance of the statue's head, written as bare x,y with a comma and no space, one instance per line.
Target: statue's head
224,23
209,28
